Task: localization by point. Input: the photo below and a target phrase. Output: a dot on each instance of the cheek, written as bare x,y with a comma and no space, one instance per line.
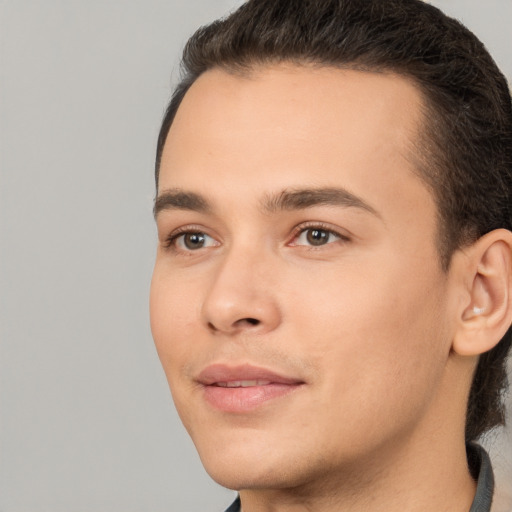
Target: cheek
172,307
374,336
171,317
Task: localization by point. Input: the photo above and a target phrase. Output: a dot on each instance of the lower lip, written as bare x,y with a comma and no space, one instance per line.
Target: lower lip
245,399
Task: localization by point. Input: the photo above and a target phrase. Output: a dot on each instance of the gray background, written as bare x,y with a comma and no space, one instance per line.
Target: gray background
86,420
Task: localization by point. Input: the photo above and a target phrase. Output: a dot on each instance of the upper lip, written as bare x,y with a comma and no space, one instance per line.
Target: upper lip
216,373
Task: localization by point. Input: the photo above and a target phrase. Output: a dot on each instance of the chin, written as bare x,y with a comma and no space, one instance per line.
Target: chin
239,467
255,466
236,480
238,477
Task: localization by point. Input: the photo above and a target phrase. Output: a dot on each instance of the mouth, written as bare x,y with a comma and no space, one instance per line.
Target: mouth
244,388
243,383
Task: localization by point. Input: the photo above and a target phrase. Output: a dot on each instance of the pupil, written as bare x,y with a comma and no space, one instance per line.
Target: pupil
194,240
317,236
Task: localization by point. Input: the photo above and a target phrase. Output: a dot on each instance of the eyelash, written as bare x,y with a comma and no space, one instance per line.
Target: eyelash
170,242
320,227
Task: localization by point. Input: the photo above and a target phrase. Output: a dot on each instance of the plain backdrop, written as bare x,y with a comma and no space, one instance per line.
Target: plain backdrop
86,419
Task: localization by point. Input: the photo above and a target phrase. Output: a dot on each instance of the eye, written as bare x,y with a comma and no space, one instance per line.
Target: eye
191,241
316,236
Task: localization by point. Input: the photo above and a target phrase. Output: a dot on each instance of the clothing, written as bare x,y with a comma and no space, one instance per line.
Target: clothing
235,506
481,470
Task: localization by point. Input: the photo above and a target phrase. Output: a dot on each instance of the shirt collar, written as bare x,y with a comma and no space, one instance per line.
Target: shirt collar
481,469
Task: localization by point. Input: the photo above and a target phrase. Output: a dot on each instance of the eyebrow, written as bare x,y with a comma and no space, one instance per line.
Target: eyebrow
300,199
175,199
287,200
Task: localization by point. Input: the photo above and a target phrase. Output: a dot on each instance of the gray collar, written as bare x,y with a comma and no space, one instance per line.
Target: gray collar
481,469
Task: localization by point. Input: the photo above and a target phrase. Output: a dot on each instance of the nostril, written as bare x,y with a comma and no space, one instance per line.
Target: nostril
238,323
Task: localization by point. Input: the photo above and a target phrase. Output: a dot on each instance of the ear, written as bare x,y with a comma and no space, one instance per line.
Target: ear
486,313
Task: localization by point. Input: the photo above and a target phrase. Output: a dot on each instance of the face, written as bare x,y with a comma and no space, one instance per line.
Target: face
298,305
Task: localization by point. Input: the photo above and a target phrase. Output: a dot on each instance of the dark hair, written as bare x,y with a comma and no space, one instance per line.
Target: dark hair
465,151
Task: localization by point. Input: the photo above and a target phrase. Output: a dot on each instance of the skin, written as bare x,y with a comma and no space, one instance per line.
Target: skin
365,321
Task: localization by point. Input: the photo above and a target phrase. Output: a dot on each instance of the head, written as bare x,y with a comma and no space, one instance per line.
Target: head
454,121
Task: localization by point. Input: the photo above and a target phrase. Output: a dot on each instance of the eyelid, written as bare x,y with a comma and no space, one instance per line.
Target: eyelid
343,237
170,239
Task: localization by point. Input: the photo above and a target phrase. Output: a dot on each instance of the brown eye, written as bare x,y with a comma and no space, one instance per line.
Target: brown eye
194,240
317,236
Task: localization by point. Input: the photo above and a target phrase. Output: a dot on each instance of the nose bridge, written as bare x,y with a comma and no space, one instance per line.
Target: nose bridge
240,296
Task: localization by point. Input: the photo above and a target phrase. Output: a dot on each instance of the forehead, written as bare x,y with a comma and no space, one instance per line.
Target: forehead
306,93
288,126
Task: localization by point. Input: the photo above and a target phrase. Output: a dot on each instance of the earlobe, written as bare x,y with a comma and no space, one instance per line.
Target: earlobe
487,314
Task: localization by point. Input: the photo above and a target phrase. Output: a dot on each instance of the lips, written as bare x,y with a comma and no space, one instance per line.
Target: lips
243,388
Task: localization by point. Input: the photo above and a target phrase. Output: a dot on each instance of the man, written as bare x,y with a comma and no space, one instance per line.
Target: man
332,294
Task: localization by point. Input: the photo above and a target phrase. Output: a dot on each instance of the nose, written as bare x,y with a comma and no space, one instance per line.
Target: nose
242,297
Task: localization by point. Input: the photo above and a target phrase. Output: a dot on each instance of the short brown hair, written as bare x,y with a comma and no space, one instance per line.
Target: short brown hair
465,151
